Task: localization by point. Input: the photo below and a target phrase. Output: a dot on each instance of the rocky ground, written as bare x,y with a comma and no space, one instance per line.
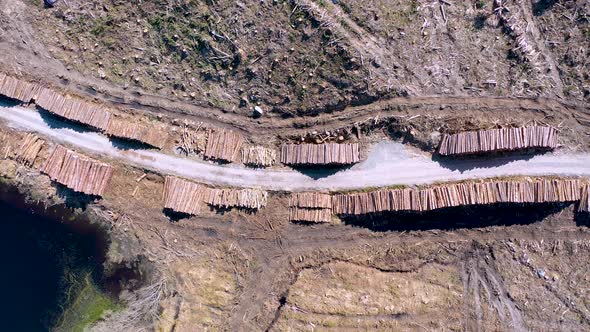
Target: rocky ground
403,69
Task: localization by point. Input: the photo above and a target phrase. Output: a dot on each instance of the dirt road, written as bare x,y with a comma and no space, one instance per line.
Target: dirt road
388,163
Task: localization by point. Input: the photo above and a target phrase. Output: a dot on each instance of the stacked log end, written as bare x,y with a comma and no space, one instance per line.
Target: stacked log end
258,156
137,131
320,154
74,109
17,89
224,145
310,207
77,172
496,140
458,194
29,149
585,199
183,196
252,199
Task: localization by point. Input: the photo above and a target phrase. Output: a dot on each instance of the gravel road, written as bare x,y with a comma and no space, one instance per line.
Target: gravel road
389,163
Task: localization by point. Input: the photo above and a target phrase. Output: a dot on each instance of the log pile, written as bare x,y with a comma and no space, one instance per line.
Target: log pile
258,156
223,145
77,172
320,154
188,197
310,207
16,89
537,191
29,150
242,198
585,199
74,109
183,196
137,131
506,139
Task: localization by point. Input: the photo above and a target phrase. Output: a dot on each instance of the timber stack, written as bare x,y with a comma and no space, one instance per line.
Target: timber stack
183,196
16,89
585,199
29,149
224,145
310,207
258,156
74,109
77,172
495,140
320,154
252,199
136,131
459,194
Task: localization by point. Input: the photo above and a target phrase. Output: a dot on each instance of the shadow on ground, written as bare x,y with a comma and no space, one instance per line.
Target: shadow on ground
9,102
316,172
55,122
125,144
476,216
541,6
468,163
73,199
175,216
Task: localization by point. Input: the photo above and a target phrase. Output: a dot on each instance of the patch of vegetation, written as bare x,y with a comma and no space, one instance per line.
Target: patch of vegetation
85,303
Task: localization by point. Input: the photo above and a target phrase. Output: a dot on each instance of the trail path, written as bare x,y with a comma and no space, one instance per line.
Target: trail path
388,163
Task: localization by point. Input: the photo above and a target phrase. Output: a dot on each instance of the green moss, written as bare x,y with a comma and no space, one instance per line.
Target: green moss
86,304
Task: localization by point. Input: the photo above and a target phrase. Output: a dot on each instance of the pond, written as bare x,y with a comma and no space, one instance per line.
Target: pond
49,268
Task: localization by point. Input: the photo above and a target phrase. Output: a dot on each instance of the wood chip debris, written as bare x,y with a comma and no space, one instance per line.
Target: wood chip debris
505,139
320,154
77,172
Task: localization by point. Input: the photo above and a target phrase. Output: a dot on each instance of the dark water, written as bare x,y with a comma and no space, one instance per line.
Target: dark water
36,254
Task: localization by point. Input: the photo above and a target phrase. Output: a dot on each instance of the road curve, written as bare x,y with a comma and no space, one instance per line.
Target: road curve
388,164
